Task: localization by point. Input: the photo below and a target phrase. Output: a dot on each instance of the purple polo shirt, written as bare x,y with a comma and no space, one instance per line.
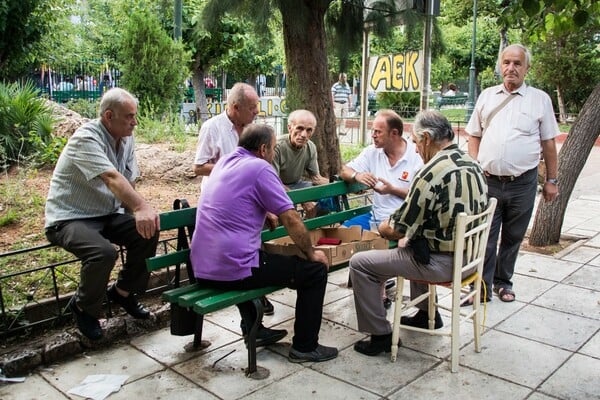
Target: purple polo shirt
231,214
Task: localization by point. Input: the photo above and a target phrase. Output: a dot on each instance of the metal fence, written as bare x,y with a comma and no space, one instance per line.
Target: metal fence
37,282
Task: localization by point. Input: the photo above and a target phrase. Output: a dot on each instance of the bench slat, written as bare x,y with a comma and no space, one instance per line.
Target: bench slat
166,260
173,295
324,191
188,299
230,298
177,218
318,222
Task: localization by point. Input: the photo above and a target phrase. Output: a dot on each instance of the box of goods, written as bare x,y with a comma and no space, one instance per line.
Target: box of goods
339,244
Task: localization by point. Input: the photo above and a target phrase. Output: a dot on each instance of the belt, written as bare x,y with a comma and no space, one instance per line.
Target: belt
510,178
341,102
502,178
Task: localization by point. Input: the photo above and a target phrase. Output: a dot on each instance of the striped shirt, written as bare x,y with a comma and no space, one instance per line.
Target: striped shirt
450,183
340,92
76,189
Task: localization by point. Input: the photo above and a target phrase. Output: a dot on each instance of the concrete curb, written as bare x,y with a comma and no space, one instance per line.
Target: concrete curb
47,350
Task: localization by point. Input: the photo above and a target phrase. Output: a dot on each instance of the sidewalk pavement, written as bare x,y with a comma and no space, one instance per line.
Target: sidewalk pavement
545,345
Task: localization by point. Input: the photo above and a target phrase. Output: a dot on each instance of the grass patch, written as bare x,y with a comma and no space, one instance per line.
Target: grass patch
349,152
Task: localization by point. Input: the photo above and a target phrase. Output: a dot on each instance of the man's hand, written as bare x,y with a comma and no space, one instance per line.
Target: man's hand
550,191
319,180
310,209
366,178
384,187
147,221
319,256
272,221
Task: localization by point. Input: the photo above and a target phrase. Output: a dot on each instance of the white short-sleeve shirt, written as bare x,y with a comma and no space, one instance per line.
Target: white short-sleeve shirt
217,138
511,144
375,161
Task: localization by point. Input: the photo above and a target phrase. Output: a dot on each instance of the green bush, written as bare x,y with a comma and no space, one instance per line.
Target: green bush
406,104
25,124
84,107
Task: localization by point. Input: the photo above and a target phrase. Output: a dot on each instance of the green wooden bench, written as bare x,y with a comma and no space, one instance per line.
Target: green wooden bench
458,100
193,301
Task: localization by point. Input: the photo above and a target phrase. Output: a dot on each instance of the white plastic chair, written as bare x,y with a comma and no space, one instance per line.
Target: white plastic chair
469,254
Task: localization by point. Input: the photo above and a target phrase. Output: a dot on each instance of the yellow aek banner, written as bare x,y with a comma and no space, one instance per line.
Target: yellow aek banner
396,72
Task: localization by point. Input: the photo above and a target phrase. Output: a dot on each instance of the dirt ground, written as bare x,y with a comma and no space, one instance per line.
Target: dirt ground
160,188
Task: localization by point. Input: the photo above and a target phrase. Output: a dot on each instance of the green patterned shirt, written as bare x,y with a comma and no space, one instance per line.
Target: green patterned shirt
450,183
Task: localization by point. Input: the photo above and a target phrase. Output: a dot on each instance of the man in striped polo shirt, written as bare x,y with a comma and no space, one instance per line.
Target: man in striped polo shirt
92,205
341,94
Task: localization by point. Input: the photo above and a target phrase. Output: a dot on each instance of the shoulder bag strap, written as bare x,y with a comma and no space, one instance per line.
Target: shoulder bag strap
498,108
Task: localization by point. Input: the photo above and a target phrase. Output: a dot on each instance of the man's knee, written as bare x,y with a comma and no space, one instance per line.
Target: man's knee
105,254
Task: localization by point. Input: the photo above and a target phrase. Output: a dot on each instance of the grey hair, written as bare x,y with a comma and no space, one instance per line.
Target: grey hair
255,135
115,98
296,114
238,94
434,123
519,47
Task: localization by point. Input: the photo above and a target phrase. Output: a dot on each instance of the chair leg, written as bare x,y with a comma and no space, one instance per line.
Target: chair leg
431,307
398,307
477,317
455,328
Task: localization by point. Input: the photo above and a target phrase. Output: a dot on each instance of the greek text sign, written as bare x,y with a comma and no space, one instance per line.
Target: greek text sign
269,106
396,72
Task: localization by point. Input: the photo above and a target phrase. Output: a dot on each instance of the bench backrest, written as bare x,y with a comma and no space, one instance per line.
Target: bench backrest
186,217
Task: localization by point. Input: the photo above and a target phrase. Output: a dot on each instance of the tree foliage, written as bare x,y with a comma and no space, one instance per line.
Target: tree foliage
23,25
153,65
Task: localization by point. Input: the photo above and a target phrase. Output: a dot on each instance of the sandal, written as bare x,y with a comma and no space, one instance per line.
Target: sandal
505,294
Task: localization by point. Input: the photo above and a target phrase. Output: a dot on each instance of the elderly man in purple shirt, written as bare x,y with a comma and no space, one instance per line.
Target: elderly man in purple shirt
241,192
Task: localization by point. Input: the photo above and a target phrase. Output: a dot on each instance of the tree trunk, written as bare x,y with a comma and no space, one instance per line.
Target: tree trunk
308,83
199,93
571,159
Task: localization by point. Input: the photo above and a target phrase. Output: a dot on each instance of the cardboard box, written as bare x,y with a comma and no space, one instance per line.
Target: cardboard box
354,239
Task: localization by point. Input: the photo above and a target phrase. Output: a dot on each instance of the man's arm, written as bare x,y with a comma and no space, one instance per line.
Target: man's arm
146,219
203,169
550,155
473,146
297,231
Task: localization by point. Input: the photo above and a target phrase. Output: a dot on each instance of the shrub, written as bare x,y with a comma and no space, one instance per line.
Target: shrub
25,123
84,107
406,104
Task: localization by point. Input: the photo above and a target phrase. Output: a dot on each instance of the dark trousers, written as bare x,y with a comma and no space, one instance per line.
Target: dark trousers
93,241
511,218
308,278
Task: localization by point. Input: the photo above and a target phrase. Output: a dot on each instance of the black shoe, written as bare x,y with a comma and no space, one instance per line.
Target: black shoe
390,283
88,325
321,353
375,345
387,303
266,336
421,320
469,302
129,303
268,308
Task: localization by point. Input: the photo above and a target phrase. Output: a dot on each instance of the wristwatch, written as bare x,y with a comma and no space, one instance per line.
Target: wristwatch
553,181
353,176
